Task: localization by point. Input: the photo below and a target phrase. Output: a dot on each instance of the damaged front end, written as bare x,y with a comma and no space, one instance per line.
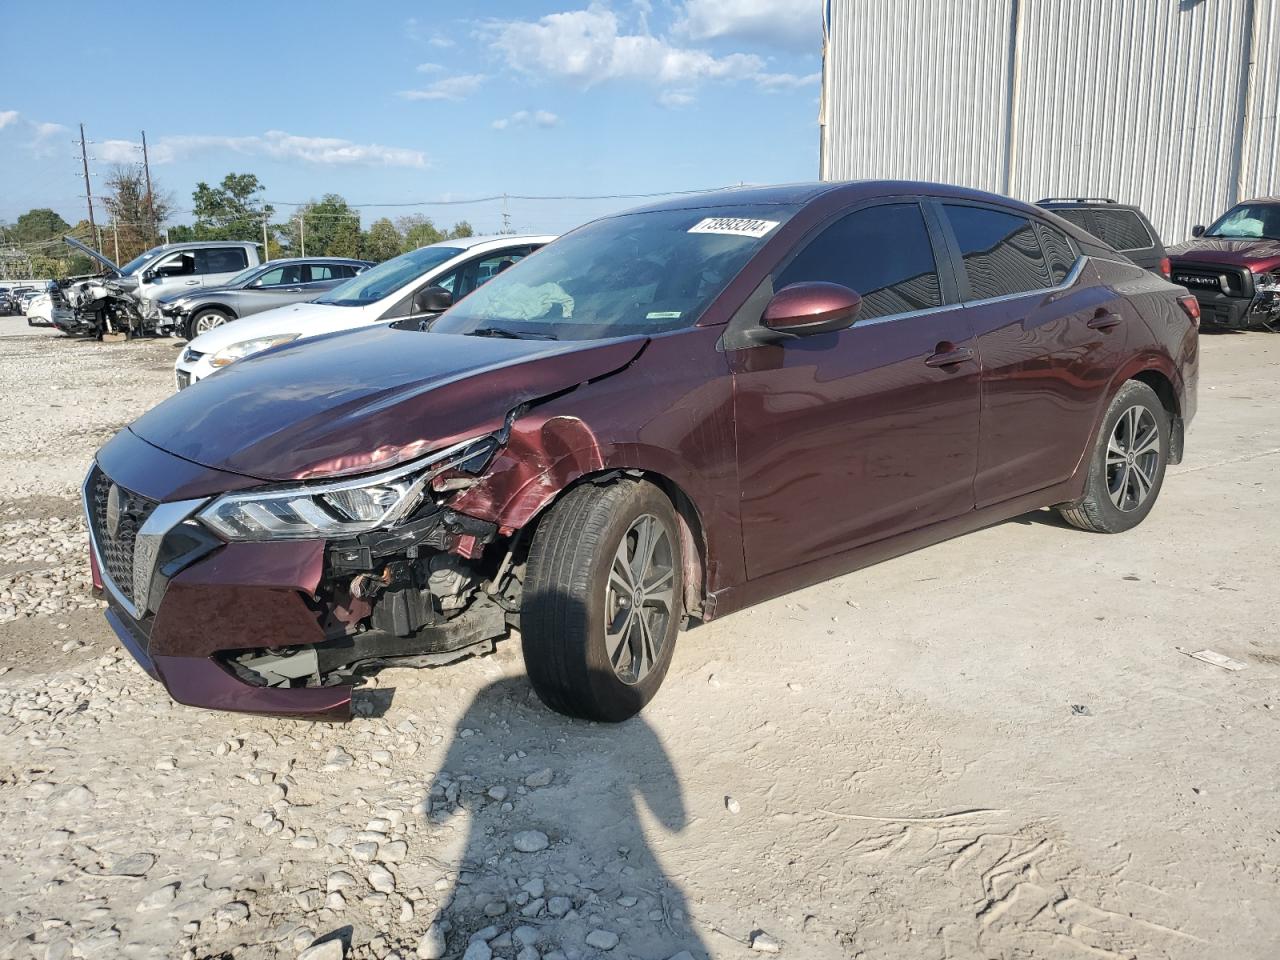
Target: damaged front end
405,578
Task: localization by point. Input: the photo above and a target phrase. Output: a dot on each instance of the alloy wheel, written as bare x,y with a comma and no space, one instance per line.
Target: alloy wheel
639,599
1133,458
207,321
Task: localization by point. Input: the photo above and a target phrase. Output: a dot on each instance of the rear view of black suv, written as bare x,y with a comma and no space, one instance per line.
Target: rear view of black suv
1120,225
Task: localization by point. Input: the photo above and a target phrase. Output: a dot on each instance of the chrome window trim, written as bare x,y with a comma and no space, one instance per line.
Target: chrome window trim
1067,281
163,518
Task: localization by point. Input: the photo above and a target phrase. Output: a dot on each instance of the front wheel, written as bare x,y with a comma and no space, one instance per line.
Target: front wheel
1127,465
602,600
202,321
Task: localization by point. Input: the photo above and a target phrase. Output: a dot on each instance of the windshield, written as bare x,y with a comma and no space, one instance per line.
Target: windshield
635,273
386,278
1248,221
138,261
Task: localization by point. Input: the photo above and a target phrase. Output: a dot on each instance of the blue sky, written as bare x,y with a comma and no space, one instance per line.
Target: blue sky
388,102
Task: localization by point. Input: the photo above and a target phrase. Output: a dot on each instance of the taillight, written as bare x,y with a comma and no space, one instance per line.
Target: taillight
1166,268
1191,306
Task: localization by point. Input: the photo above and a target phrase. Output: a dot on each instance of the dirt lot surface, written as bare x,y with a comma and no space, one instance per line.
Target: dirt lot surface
994,748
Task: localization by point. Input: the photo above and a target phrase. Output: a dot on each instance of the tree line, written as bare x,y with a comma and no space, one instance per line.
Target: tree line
232,210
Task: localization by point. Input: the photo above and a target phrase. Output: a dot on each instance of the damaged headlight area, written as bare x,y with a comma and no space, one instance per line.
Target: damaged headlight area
340,508
406,578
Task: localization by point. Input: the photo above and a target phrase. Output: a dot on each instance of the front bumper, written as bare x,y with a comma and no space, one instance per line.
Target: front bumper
191,367
185,610
1238,313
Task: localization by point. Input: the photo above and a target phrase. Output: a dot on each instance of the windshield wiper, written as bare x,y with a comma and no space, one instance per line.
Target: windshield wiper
509,334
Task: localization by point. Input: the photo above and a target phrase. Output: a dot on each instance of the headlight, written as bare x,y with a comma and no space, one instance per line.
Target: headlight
1267,283
342,507
238,351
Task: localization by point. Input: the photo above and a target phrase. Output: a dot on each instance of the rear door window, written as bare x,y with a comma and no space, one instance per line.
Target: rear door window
317,272
1001,252
883,253
1058,252
221,260
1122,229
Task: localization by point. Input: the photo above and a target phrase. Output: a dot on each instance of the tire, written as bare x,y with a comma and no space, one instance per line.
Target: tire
1126,472
203,321
573,596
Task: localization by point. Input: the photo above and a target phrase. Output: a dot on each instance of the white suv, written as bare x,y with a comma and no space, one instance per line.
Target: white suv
418,284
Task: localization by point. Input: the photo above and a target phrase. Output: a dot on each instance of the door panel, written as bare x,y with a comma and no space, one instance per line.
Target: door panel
1050,338
1046,371
850,437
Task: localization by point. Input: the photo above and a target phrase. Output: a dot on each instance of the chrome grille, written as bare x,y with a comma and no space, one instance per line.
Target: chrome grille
115,527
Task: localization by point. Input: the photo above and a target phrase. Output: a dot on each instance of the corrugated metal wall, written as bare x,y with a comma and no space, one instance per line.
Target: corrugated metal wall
1170,104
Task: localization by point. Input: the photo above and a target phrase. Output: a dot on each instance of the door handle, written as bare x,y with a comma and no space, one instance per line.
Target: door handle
947,355
192,283
1104,320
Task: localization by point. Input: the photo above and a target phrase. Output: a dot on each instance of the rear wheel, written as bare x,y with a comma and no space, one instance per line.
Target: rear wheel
202,321
1127,466
602,600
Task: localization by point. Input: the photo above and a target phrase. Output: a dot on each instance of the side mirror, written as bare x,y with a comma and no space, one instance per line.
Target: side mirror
1197,230
814,307
432,300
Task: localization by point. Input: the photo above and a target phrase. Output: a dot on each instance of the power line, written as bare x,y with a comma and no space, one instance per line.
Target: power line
511,196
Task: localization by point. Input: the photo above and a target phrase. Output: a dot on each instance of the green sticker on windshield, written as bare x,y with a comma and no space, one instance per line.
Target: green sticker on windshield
663,315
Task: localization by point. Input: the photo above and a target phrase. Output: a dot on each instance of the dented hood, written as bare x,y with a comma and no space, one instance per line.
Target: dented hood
358,401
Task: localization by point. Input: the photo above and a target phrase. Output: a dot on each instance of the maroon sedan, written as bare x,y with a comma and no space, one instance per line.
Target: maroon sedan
662,417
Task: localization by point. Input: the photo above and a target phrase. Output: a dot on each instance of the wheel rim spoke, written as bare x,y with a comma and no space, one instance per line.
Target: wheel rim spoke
640,595
1133,458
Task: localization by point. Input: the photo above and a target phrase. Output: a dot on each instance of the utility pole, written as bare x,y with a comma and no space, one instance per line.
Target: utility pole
115,236
266,246
506,216
88,190
302,232
146,166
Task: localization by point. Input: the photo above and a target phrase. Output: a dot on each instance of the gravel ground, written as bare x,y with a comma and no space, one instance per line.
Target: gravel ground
993,748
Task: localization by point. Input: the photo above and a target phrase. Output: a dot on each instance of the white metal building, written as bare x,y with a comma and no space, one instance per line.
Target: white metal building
1169,104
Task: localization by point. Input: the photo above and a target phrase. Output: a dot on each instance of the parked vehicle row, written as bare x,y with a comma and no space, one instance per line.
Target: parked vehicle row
664,416
413,287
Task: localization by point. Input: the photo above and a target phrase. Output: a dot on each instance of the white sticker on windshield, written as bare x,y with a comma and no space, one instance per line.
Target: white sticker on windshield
734,226
663,315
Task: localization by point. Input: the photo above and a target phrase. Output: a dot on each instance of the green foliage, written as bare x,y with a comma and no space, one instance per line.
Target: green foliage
39,224
327,227
417,231
382,241
460,229
231,211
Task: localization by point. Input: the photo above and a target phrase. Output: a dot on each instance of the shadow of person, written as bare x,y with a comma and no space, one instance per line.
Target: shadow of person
552,827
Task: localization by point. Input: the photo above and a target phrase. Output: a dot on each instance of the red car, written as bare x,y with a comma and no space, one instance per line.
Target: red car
1233,267
663,417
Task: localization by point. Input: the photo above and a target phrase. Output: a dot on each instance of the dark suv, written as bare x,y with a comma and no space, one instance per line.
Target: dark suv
1119,225
1233,267
664,416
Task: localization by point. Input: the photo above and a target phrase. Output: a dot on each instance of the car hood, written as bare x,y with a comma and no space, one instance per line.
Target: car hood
101,258
304,319
362,400
1256,255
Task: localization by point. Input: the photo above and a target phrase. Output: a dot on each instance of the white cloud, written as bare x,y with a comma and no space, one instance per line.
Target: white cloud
274,144
787,81
588,46
449,88
794,24
7,117
674,99
591,46
527,118
415,31
429,68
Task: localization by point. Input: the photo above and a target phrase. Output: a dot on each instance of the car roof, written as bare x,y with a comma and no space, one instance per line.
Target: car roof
279,261
466,243
841,192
